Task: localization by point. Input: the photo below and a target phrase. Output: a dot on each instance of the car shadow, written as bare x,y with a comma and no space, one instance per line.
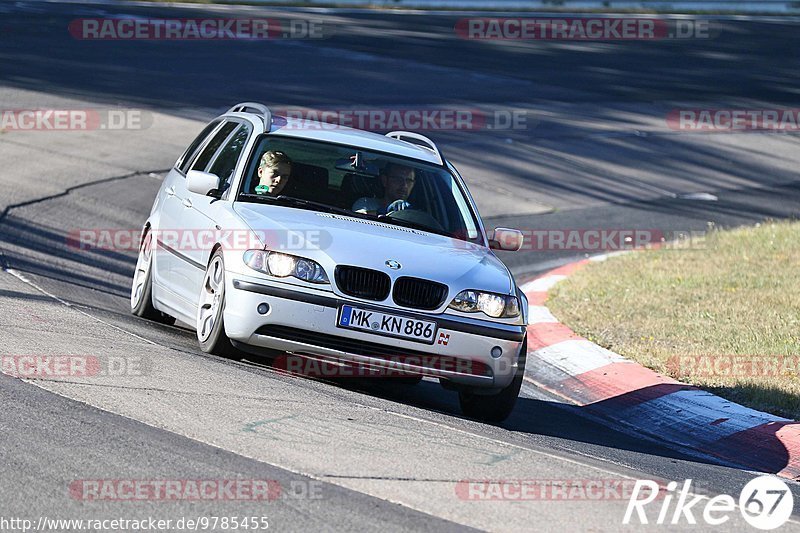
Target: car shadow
588,426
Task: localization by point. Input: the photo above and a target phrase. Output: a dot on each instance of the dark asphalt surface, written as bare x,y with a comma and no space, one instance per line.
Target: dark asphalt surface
685,219
746,60
56,437
48,438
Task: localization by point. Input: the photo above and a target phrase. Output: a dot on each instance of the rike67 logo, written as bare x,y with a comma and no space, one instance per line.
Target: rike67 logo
765,503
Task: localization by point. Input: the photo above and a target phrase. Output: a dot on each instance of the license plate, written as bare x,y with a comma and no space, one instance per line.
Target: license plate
387,324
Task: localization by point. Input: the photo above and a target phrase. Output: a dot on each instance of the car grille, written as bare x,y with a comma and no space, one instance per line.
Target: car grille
419,293
363,282
374,350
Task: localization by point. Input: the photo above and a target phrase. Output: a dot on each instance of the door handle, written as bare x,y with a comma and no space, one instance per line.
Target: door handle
187,202
170,191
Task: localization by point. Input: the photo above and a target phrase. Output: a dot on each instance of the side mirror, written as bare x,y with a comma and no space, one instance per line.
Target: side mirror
506,239
201,182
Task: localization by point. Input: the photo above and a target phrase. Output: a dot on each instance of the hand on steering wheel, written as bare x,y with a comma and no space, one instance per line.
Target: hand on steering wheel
397,205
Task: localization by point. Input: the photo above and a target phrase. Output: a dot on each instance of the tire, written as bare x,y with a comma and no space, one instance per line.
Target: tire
210,322
497,407
142,285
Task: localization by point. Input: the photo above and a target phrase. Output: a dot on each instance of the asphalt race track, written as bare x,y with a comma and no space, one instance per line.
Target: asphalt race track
595,152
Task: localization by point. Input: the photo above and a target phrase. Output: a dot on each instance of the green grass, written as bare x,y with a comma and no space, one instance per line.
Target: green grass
735,295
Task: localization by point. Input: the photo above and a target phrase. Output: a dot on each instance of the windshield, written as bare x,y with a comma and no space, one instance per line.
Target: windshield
347,180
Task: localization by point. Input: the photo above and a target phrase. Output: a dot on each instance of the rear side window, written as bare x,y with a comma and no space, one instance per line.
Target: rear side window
186,159
213,145
225,163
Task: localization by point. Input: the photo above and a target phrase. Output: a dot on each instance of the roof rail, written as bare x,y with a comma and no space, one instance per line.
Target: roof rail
428,144
266,114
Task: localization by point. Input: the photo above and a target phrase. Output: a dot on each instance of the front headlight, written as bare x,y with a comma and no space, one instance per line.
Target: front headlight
493,305
280,265
283,265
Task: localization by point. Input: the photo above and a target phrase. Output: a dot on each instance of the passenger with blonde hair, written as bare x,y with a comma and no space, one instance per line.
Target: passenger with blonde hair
274,172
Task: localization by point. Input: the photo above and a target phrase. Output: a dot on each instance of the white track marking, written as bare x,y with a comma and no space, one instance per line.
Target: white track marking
578,356
542,284
539,314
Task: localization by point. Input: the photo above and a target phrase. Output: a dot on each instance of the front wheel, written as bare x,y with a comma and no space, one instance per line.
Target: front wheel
210,321
495,407
142,285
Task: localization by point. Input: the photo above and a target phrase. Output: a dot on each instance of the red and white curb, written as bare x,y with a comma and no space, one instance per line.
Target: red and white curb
605,385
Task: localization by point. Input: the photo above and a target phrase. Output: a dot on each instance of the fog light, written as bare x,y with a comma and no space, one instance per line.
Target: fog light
263,308
497,352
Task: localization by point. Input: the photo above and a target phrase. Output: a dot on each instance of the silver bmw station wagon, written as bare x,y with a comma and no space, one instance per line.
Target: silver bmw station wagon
283,236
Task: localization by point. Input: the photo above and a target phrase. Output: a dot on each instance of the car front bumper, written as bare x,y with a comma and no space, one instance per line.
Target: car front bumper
304,322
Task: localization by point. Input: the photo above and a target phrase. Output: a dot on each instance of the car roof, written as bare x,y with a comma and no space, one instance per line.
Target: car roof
334,133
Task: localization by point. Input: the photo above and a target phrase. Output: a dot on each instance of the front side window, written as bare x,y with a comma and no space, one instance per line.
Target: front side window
323,176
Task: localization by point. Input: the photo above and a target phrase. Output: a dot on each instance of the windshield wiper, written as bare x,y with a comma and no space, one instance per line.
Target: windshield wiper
298,202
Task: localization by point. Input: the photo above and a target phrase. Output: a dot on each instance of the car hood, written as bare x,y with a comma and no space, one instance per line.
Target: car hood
332,239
